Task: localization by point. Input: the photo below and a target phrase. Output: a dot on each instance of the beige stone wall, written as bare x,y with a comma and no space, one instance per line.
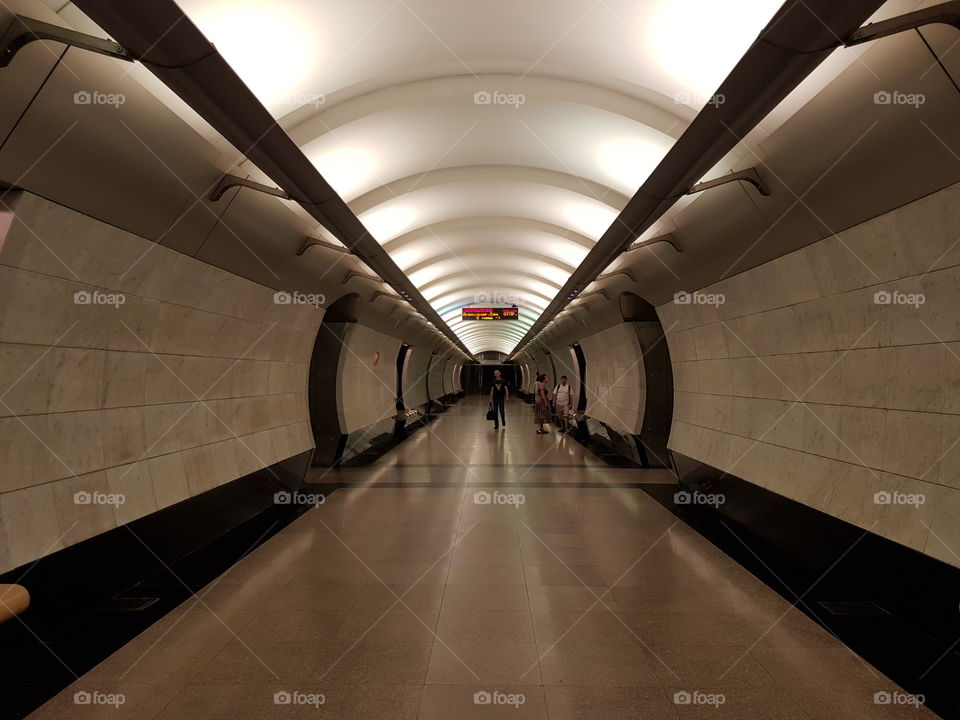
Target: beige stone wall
616,385
455,376
415,380
806,382
368,378
197,378
564,363
438,369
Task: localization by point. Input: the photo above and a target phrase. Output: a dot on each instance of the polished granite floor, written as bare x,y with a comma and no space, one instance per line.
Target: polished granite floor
479,574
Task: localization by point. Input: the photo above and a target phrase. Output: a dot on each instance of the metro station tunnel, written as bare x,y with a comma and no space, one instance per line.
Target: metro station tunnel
425,359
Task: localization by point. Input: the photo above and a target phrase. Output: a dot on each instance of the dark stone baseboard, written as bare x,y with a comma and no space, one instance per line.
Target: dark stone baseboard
90,599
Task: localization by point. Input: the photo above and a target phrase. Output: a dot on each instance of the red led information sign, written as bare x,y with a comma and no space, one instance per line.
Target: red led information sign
510,313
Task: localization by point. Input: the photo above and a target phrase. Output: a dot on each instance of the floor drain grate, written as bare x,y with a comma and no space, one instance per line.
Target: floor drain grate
862,608
132,604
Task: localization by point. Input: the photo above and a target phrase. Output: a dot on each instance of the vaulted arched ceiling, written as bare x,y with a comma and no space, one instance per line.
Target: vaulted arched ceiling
485,145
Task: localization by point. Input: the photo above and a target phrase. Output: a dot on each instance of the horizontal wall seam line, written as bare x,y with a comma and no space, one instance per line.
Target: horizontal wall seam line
145,298
80,348
171,403
840,351
160,455
811,300
821,457
792,401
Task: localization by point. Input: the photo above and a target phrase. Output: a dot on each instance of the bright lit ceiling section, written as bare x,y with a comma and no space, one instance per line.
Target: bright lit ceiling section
486,146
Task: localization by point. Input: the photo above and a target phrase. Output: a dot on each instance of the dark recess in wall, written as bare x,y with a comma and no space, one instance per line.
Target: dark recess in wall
90,599
908,622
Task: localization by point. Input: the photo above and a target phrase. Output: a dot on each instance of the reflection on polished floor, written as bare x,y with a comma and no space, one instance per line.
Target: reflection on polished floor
479,574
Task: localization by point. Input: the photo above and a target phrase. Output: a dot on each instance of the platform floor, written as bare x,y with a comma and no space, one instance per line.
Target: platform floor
571,594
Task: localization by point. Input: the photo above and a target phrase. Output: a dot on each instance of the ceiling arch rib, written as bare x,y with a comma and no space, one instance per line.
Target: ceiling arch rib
521,288
472,196
599,153
479,175
470,334
638,103
488,171
425,207
492,226
473,267
461,243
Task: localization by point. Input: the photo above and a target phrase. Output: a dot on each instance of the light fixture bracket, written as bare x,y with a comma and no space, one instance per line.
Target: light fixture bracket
947,13
229,181
750,175
316,242
23,30
669,238
363,276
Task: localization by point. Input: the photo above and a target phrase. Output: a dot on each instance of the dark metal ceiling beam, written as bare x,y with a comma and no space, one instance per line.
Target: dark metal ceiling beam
165,40
799,37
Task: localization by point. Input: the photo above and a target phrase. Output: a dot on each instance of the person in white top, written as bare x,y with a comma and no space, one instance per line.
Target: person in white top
561,400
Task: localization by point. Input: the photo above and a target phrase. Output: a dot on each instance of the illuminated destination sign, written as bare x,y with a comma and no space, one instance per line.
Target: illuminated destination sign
510,313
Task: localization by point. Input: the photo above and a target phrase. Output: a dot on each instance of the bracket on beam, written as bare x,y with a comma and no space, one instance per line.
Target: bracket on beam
750,175
23,30
315,242
947,13
599,291
229,181
380,293
668,238
624,271
353,273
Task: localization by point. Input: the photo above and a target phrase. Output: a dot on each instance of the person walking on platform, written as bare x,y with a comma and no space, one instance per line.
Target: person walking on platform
499,394
561,401
541,405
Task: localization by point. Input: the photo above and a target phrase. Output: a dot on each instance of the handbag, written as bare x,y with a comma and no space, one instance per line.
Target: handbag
490,414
